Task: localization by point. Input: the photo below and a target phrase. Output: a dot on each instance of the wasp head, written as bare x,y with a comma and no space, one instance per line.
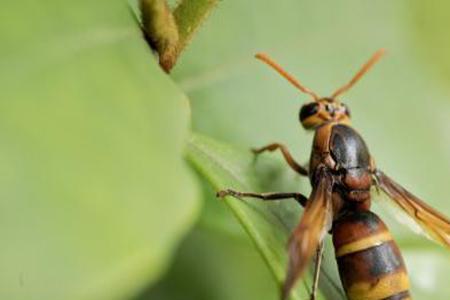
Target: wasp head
314,114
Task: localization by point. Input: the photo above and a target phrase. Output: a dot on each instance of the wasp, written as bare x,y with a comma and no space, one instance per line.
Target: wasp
342,173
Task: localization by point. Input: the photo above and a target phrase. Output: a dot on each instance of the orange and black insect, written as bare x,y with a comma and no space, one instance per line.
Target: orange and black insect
342,173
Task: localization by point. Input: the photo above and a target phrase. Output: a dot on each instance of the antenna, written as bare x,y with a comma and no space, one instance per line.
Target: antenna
265,58
364,69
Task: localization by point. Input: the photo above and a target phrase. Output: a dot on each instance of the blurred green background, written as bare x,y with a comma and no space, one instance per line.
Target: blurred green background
96,199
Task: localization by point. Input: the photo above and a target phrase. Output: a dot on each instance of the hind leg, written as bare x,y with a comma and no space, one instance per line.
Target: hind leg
317,271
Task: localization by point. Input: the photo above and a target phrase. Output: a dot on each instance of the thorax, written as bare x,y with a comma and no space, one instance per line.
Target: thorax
342,150
339,146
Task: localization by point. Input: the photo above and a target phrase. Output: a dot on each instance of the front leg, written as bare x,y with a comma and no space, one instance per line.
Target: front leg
301,199
287,156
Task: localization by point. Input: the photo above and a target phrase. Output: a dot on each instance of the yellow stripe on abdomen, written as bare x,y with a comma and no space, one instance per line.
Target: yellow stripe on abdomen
364,243
385,287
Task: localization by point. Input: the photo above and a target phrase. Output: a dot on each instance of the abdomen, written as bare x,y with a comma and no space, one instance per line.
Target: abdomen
370,264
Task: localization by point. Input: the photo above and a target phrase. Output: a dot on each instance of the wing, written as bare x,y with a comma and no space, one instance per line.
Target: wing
313,226
432,222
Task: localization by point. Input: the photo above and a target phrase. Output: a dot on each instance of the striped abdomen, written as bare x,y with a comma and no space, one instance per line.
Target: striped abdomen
370,264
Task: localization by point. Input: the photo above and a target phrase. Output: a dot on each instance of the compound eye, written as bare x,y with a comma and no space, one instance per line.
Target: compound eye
346,110
308,110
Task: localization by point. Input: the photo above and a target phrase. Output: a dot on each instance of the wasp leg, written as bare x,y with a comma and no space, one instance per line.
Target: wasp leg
287,156
317,271
301,199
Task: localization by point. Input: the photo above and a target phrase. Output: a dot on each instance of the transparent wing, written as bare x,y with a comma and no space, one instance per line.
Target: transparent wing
314,224
435,225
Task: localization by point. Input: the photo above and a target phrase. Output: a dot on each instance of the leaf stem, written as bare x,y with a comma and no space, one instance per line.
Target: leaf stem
160,30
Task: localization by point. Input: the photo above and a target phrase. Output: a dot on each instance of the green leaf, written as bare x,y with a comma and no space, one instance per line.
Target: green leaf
190,15
268,224
94,194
